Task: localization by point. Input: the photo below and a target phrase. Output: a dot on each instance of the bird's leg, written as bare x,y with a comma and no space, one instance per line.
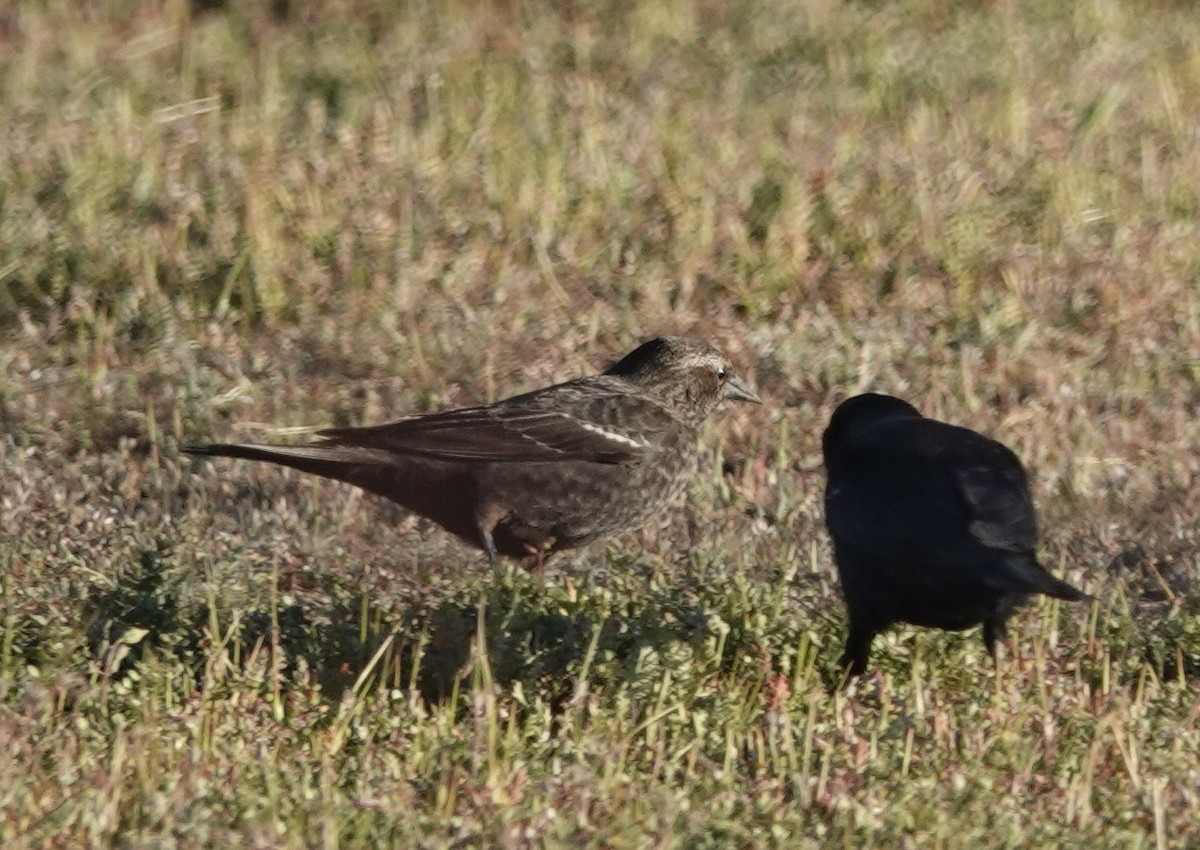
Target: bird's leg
858,648
489,546
538,554
994,634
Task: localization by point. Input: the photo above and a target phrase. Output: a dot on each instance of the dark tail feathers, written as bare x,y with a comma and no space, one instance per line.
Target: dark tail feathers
366,468
1026,574
1044,582
1059,589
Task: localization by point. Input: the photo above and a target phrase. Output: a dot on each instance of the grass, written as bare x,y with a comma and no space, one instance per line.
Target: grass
216,219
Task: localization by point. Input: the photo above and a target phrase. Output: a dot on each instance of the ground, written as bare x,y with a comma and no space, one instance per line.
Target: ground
224,221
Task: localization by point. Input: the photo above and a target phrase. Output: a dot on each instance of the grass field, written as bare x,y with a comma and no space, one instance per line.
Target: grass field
219,220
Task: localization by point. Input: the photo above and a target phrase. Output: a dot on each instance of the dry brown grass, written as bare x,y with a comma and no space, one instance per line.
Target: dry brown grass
217,222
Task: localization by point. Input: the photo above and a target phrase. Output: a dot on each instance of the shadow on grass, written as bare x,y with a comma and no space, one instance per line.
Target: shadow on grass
539,637
620,632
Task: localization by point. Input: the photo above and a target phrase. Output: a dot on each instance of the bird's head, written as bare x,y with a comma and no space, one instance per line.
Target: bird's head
858,412
689,376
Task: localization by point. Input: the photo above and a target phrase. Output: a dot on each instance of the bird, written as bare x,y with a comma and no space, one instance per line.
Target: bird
932,524
548,470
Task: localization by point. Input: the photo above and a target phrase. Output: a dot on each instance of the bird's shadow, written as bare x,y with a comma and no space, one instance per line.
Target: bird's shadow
510,629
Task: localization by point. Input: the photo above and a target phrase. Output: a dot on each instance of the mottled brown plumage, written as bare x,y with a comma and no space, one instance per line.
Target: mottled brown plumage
540,472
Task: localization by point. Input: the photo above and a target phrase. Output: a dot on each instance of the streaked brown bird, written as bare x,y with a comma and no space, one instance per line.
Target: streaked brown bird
932,524
537,473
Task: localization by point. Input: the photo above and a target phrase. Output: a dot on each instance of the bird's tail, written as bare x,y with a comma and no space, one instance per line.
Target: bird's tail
1059,589
366,468
1039,580
437,492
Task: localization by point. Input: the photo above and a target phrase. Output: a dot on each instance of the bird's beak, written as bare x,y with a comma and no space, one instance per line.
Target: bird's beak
738,390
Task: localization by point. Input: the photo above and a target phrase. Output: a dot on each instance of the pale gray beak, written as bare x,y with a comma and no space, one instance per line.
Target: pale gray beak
738,390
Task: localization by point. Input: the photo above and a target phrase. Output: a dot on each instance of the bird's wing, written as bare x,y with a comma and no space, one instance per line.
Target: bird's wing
549,425
939,501
998,504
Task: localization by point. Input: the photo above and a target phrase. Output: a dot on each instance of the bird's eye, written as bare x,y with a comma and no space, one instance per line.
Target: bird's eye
721,372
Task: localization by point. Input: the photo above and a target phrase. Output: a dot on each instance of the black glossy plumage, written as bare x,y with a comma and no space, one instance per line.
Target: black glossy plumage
932,524
540,472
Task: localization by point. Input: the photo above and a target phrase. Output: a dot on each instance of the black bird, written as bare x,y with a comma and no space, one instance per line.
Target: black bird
537,473
932,524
